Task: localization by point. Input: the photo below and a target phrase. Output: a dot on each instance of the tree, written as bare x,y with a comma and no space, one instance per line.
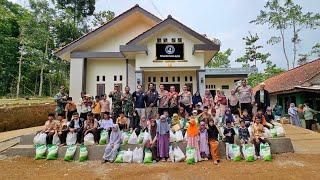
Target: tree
251,52
78,9
102,17
44,18
286,16
259,77
221,59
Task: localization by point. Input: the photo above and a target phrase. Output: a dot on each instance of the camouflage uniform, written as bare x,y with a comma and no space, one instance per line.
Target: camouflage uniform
116,104
61,103
128,104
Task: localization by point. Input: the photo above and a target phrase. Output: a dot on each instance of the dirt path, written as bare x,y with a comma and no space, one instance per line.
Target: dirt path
304,141
299,165
285,166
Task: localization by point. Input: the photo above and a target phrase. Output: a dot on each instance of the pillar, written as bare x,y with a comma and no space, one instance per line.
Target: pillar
201,81
77,78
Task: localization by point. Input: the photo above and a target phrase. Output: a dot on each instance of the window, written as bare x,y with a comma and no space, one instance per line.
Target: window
178,78
191,78
114,78
165,40
186,78
211,86
120,77
225,87
158,40
179,40
167,79
173,79
154,79
207,87
149,79
161,79
98,78
173,40
103,78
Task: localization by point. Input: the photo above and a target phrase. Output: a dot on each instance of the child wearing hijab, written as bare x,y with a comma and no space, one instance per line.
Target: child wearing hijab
163,138
204,148
228,116
112,147
213,134
193,137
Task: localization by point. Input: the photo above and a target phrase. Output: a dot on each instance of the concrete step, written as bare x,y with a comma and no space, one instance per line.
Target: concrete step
278,145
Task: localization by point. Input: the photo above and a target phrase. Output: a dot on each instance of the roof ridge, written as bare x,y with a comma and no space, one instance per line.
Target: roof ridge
109,22
315,60
168,19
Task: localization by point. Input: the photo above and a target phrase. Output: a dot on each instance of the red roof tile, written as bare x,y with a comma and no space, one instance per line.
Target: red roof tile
286,81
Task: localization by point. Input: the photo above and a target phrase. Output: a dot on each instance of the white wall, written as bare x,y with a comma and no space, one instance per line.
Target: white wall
189,58
171,74
121,36
218,82
76,70
107,68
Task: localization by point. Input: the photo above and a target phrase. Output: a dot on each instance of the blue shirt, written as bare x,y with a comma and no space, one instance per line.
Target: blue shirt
139,99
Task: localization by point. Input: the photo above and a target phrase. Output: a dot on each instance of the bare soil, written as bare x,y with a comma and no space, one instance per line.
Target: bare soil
285,166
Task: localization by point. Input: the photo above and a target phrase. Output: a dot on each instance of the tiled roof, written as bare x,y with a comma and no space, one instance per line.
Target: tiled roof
288,80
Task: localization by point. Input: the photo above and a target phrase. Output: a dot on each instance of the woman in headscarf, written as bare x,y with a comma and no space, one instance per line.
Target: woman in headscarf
112,147
220,102
293,113
153,140
175,120
204,148
207,99
144,124
193,137
233,102
163,138
196,98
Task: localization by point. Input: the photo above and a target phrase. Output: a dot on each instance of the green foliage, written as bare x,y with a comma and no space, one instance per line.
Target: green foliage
258,77
102,17
286,15
251,52
30,36
221,59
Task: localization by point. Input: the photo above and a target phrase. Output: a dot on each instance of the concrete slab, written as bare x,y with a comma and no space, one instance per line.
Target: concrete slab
278,145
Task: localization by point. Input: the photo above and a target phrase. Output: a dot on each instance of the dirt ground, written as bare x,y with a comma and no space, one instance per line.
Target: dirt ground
285,166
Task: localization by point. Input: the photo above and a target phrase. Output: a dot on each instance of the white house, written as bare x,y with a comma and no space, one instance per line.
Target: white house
137,47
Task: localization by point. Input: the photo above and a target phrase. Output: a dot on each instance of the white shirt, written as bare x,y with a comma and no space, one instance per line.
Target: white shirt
262,96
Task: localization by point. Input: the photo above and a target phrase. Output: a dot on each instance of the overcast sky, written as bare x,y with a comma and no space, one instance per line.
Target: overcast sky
227,20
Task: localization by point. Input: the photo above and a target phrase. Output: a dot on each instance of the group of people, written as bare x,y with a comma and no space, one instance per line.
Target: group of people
203,120
302,114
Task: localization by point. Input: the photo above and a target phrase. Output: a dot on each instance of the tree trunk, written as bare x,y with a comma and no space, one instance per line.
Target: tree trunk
295,41
284,48
20,64
42,68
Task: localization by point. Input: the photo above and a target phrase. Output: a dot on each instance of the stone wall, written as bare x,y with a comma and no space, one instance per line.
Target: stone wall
19,117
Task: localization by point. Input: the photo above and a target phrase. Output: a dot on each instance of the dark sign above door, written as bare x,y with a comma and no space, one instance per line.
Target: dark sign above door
169,51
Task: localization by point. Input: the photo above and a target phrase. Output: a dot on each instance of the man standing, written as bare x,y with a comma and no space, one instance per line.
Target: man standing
186,99
105,105
246,98
151,101
139,103
61,99
163,99
262,98
173,101
116,102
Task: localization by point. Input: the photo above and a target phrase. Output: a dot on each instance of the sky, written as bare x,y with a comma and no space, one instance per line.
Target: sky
227,20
